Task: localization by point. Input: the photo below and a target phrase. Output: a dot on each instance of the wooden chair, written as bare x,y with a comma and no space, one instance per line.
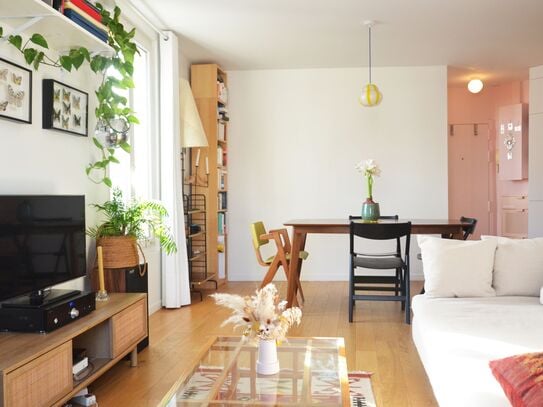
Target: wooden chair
281,258
380,261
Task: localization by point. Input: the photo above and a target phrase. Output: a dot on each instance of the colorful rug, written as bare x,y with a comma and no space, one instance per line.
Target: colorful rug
324,388
360,389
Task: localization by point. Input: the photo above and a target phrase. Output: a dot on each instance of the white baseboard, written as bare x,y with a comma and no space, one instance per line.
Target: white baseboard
154,307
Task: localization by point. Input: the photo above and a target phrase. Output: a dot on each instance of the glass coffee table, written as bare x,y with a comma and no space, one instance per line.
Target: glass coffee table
313,373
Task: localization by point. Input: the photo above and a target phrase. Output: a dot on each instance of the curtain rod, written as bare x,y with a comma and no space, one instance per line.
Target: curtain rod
149,22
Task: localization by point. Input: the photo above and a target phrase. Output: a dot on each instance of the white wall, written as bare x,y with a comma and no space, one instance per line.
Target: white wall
295,137
535,186
36,161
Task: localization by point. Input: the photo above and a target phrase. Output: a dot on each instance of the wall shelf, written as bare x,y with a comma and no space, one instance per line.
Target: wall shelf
29,16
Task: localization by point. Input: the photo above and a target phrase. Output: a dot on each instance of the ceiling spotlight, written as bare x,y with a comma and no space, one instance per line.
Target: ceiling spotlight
475,85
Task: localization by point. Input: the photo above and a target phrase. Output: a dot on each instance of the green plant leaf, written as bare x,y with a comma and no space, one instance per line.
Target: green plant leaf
113,159
133,119
83,51
39,40
78,60
16,41
125,146
127,83
66,62
38,60
97,143
30,54
108,182
1,31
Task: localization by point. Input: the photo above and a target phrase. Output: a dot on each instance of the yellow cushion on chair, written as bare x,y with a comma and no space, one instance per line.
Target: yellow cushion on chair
303,255
257,230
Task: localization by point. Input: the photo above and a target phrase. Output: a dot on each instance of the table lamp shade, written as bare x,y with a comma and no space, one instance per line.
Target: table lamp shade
192,130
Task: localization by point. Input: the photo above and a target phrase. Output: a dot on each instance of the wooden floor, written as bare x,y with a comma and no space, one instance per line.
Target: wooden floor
378,341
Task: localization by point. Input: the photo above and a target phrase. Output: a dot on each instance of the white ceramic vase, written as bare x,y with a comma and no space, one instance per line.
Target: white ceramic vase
267,363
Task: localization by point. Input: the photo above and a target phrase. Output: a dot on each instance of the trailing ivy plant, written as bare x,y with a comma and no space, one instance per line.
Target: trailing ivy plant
113,113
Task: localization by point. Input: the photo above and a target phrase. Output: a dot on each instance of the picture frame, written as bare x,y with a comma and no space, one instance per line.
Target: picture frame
65,108
15,92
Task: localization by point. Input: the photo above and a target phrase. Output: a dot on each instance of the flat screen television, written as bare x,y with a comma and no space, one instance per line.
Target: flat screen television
42,243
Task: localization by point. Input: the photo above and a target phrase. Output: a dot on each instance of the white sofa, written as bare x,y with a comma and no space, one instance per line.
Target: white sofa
457,337
481,304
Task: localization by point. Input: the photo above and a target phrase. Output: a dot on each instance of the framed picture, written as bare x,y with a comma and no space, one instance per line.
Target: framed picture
15,92
65,108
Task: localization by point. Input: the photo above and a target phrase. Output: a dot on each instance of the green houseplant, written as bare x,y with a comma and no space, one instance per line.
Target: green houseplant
124,225
113,112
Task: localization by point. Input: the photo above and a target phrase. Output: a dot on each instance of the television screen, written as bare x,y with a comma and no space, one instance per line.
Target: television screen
42,242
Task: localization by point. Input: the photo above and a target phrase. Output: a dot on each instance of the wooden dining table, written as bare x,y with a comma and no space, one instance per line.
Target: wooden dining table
451,228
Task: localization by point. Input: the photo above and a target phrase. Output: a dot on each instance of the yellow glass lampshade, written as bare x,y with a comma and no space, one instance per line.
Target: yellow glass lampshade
370,96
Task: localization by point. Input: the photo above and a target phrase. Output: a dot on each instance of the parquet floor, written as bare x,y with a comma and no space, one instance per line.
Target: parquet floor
378,341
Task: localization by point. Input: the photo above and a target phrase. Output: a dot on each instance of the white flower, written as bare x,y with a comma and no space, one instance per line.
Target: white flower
369,168
262,315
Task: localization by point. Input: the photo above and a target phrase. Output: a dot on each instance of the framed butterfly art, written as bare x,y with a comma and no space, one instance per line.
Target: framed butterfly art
65,108
15,92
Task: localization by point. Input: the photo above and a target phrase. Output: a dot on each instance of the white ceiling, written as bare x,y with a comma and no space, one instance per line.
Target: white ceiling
495,39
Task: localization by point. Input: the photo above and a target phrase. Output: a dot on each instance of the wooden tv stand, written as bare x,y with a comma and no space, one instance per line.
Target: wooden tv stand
36,369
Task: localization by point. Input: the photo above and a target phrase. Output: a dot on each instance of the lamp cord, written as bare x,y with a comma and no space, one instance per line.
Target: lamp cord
369,50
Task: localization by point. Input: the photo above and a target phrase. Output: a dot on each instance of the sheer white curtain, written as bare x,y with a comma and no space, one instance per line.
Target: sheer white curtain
175,272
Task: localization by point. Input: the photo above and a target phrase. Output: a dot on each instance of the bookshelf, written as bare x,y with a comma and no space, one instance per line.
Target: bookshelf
28,16
209,87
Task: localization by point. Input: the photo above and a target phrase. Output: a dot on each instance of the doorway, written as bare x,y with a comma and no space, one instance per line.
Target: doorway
470,189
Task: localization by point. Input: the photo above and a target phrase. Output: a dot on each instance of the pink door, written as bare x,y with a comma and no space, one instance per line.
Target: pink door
469,180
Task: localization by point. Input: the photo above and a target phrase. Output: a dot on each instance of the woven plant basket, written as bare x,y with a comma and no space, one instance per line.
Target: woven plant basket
119,251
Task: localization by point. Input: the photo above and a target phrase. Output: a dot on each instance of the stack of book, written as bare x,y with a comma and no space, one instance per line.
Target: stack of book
85,14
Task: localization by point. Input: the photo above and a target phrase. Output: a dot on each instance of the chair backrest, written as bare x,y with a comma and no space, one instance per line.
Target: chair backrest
384,217
381,231
257,230
468,229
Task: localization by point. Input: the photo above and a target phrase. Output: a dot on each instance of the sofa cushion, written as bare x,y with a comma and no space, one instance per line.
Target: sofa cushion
518,266
457,268
521,378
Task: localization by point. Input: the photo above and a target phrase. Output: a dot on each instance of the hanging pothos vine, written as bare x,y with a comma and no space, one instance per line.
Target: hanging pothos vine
114,116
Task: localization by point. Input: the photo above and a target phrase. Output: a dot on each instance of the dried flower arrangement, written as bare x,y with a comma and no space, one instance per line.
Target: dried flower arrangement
262,316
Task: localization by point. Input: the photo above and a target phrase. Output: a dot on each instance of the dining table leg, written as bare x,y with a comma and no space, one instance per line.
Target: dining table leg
295,267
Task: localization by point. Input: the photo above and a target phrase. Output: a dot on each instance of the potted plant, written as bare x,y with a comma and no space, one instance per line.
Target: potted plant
124,225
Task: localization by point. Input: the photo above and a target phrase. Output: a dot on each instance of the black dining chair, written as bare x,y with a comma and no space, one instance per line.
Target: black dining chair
397,260
468,229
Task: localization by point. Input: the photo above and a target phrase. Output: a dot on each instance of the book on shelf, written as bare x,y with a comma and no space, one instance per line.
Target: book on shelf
221,218
222,113
221,134
220,156
222,92
88,8
222,203
93,19
81,18
221,179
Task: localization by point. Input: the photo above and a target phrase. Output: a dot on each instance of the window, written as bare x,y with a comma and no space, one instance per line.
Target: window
136,173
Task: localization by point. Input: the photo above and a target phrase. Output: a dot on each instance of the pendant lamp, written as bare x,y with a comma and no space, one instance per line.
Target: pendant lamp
370,95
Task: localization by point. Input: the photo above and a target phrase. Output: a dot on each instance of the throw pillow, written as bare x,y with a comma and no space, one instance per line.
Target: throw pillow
518,266
457,268
521,378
